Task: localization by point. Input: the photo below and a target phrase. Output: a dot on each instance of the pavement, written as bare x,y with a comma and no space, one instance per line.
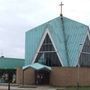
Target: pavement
32,88
16,87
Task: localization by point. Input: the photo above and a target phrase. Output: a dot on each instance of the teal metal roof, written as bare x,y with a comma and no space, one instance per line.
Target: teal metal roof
75,32
11,63
37,66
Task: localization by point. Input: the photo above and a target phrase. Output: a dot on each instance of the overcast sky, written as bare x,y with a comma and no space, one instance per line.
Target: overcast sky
19,16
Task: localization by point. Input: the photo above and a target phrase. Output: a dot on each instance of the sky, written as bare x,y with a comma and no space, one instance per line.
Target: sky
19,16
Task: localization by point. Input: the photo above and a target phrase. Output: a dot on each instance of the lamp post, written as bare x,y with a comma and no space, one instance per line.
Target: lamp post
8,85
9,80
78,76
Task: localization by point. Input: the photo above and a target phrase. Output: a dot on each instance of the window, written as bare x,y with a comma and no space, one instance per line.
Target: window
47,54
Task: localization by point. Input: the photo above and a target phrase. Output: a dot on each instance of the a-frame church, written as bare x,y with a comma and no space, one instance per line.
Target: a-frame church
58,43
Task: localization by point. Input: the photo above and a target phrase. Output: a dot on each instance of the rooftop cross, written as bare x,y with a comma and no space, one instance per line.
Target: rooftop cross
61,8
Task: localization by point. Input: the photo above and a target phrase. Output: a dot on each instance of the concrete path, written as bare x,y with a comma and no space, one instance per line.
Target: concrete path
34,88
4,86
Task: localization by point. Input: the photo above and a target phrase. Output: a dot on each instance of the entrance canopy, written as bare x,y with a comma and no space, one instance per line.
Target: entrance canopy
37,66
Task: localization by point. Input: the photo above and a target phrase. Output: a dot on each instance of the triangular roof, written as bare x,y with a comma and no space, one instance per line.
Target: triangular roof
75,32
52,42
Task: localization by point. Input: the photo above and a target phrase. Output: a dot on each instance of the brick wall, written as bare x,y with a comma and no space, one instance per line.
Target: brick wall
70,76
29,76
19,76
58,76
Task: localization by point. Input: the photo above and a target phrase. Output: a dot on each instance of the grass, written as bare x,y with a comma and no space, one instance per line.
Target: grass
75,88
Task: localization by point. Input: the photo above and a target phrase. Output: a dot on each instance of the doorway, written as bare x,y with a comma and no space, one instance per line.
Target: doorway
42,77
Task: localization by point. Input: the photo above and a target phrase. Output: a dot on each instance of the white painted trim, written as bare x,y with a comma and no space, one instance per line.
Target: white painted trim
88,34
80,51
39,46
55,48
47,32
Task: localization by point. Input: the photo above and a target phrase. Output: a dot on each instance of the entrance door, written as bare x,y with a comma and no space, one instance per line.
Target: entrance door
42,77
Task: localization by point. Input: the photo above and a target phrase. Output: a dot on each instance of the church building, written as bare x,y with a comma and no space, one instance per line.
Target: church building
59,42
54,52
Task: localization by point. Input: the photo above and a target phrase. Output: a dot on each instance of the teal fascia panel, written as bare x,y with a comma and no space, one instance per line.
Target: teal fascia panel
33,39
37,66
11,63
57,36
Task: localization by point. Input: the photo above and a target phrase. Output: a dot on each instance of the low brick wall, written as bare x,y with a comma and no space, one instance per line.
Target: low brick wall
70,76
19,76
29,76
58,76
25,77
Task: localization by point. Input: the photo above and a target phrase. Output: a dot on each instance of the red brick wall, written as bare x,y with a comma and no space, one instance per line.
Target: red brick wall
58,76
70,76
84,78
19,76
29,76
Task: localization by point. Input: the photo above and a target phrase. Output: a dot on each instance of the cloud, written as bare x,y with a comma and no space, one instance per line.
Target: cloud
18,16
